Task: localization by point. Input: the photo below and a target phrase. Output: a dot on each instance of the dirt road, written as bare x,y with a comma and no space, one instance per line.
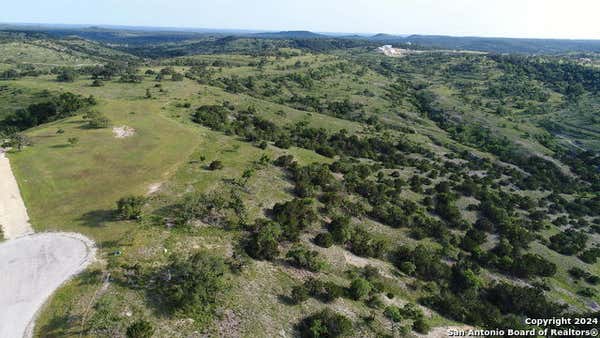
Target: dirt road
31,268
13,215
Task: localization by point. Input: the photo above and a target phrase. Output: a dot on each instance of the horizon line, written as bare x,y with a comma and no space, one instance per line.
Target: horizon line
183,29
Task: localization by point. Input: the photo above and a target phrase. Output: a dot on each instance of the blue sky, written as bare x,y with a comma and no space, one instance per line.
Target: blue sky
510,18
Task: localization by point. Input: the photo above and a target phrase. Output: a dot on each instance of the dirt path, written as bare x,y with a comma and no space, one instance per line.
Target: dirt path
13,215
31,268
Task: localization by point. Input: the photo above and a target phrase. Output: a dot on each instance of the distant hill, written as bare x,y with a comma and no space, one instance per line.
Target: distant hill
496,45
290,35
144,36
383,36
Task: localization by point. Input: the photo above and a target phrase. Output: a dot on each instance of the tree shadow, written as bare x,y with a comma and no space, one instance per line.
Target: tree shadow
109,244
60,325
97,218
86,126
60,146
90,277
75,122
285,299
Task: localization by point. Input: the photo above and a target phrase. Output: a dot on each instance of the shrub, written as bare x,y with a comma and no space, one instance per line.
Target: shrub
577,273
326,291
326,323
360,288
294,216
587,292
214,117
421,326
590,255
393,313
215,208
592,279
365,244
99,122
324,240
140,329
264,242
304,258
177,77
529,265
411,311
130,207
66,75
97,83
9,74
131,78
73,141
568,242
427,262
284,161
193,287
408,268
300,294
340,229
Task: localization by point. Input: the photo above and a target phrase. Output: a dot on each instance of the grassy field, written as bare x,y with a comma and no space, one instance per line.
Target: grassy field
74,187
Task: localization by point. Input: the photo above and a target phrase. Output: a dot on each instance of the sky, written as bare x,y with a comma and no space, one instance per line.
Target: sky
576,19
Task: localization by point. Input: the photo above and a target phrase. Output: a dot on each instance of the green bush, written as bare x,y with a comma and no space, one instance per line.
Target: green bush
360,288
284,161
215,117
73,140
304,258
363,243
325,291
140,329
264,242
408,268
177,77
340,229
66,75
591,255
300,294
130,207
326,323
97,83
568,242
393,313
193,287
294,216
96,120
421,326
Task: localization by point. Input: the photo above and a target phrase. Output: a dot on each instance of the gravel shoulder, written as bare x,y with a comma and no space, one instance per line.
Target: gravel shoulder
31,268
13,215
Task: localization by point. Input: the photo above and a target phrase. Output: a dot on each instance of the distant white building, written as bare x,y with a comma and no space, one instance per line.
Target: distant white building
385,48
391,51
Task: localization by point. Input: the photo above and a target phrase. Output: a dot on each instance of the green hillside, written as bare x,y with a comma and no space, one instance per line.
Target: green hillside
279,190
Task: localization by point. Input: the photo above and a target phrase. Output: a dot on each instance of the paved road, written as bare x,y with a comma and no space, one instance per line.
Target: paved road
31,268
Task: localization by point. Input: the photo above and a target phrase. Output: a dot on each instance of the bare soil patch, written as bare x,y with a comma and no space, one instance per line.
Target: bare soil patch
123,131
